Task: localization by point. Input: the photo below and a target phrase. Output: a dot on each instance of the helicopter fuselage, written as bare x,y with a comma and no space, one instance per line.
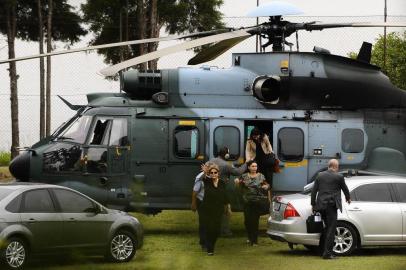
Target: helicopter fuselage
141,150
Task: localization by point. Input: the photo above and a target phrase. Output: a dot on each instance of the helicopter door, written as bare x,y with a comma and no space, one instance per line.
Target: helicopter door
323,146
186,153
118,163
290,146
229,133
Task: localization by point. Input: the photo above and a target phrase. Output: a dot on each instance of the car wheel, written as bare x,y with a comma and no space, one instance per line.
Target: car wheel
14,253
346,239
122,247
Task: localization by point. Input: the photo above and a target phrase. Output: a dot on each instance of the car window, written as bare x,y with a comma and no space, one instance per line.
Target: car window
14,205
401,188
72,202
372,193
38,201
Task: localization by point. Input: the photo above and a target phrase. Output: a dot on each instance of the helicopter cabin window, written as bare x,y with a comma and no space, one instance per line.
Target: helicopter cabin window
227,136
352,140
119,132
77,130
290,144
186,142
101,132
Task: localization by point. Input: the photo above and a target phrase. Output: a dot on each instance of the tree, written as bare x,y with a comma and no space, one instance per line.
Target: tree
8,10
145,20
395,67
22,20
61,23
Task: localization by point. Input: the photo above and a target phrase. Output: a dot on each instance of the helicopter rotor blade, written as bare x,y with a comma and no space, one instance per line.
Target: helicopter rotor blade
318,26
118,44
215,50
112,70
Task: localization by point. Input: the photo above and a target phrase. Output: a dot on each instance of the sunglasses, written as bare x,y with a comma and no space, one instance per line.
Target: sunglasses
213,172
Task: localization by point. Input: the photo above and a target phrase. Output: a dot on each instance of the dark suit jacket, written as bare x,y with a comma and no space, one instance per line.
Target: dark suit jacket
327,187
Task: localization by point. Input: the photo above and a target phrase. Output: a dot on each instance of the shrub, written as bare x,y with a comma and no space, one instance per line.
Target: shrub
5,158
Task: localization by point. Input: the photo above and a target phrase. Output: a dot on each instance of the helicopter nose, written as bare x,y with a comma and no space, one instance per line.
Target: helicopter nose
20,166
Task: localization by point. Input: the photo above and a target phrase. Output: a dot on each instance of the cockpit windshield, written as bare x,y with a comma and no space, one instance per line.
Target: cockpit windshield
77,130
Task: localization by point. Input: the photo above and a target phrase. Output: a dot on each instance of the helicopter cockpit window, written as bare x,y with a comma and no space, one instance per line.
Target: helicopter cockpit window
77,131
290,144
101,132
119,132
352,140
229,137
186,143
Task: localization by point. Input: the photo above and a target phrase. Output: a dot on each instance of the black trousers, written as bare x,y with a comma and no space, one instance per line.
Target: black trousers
329,216
212,227
251,221
202,230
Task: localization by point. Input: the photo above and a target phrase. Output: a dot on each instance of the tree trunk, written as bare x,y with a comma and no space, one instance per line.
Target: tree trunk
141,30
153,32
11,34
41,73
48,88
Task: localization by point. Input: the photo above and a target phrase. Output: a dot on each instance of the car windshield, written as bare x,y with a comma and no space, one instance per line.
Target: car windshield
77,130
4,192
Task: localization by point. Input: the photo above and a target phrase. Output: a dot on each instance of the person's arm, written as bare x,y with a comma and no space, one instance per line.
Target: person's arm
268,143
344,188
248,151
194,201
231,170
314,192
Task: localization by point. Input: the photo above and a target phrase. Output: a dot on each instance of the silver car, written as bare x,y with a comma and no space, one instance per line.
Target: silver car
375,217
46,219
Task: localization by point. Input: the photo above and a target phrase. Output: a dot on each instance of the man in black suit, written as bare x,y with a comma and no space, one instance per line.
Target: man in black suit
327,187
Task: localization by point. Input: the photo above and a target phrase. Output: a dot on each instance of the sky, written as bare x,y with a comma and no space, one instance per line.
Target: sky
75,75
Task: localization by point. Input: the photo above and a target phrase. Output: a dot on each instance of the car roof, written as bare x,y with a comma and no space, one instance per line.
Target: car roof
25,185
357,180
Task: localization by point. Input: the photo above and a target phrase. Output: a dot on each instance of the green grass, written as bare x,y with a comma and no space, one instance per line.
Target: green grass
171,242
5,158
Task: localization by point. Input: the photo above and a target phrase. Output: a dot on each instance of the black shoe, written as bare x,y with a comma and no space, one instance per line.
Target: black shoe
330,257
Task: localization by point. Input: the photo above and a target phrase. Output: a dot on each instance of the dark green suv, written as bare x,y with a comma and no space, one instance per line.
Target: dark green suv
45,219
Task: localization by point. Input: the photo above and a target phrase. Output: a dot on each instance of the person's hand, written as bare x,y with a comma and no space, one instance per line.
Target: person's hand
349,201
202,167
313,211
236,181
265,186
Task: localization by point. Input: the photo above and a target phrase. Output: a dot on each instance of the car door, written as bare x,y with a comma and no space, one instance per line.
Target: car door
376,213
83,226
400,188
39,216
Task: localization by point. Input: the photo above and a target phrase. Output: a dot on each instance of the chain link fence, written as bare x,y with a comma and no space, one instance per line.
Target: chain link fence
75,75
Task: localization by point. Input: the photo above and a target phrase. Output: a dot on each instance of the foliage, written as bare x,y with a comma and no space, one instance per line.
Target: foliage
177,16
5,158
66,25
395,67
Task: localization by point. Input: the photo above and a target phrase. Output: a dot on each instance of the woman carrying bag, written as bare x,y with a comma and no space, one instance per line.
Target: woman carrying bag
256,197
259,148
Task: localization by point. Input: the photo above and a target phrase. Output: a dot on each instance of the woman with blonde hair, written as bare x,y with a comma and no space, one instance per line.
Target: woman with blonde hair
215,203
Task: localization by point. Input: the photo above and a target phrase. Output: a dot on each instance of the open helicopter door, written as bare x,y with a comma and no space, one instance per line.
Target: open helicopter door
107,158
228,133
291,147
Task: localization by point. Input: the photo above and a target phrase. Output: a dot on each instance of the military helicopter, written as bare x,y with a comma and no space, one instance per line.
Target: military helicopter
140,149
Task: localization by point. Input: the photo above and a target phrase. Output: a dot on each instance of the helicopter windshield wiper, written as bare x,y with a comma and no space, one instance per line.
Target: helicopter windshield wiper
63,138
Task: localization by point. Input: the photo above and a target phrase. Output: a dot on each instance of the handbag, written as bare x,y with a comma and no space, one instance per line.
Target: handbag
314,223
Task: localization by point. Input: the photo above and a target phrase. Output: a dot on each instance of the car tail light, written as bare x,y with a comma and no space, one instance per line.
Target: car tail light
290,211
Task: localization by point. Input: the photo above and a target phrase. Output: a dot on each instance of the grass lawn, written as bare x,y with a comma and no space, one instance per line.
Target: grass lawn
171,243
